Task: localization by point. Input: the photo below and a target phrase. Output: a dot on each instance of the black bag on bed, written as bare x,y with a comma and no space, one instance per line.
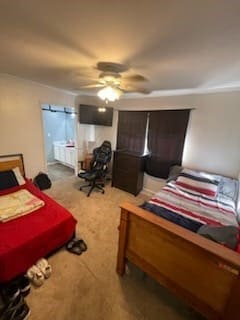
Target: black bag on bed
42,181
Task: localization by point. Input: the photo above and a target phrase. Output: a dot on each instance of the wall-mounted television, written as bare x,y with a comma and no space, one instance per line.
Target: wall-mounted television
91,115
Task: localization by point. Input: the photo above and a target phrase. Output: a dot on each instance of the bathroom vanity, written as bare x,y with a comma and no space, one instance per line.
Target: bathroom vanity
65,153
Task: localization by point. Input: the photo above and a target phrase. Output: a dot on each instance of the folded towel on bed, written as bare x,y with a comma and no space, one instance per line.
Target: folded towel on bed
17,204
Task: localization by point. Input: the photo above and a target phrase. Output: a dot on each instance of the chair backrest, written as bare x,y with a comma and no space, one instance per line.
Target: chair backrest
101,156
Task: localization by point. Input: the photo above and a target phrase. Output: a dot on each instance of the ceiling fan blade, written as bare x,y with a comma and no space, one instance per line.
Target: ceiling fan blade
114,67
135,78
129,88
96,85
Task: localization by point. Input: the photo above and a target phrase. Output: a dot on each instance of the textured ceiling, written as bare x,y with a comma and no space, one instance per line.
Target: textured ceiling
175,44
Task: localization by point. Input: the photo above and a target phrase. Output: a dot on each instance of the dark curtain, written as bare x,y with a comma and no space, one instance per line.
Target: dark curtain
131,130
166,136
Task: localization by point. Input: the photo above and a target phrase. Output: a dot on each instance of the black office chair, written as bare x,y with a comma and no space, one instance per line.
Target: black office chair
98,168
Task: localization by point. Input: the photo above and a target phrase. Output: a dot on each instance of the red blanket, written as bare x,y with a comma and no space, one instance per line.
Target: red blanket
25,240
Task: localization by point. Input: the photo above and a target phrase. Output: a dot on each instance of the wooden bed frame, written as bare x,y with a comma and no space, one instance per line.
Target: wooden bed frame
203,273
10,161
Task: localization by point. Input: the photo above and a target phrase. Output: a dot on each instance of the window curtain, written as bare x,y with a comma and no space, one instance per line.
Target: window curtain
131,130
166,136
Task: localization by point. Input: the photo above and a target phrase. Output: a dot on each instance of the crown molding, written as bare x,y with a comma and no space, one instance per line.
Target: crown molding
181,92
169,93
38,83
177,92
153,94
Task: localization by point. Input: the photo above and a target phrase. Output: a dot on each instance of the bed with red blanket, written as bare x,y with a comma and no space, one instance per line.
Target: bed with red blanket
167,246
27,238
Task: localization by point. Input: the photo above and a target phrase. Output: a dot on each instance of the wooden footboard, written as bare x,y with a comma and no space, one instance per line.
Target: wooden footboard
202,272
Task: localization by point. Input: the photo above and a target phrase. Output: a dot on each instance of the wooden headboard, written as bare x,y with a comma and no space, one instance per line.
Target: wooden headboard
11,161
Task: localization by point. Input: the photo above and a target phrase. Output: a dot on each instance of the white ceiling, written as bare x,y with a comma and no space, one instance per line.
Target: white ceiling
175,44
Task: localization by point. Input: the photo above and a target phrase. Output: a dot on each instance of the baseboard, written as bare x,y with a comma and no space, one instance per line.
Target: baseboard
147,192
50,163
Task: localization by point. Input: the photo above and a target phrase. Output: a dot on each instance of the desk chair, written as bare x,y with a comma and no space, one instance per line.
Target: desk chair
98,168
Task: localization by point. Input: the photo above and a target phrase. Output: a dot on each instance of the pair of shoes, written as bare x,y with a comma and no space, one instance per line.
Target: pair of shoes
13,289
16,310
39,272
44,267
76,246
23,284
10,292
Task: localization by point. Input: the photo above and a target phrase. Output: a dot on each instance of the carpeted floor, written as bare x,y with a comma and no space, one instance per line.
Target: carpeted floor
86,287
58,171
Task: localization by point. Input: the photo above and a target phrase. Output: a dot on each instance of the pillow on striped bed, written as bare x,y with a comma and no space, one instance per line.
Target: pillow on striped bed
238,199
197,183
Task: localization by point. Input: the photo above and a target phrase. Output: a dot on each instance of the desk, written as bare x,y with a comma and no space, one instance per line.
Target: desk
87,160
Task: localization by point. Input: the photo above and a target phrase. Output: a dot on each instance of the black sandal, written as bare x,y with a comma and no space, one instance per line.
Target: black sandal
82,245
76,246
73,247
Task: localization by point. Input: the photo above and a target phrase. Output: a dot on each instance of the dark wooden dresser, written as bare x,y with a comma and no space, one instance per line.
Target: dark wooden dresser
128,170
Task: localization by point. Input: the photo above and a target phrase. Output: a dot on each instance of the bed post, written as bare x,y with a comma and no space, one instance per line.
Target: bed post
123,230
232,308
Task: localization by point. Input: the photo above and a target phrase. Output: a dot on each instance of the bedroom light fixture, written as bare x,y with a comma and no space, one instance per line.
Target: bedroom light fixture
109,93
101,109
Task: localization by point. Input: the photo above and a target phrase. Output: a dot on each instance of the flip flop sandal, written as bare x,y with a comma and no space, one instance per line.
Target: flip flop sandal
82,245
70,244
74,247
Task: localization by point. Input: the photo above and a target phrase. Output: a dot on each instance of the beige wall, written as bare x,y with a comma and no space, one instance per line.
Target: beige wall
21,119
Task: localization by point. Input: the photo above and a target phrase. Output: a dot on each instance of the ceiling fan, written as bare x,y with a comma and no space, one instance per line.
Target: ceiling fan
112,82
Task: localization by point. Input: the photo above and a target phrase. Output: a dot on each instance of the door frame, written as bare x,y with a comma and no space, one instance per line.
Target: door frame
76,167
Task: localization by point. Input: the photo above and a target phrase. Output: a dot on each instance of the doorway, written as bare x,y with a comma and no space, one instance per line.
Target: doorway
59,127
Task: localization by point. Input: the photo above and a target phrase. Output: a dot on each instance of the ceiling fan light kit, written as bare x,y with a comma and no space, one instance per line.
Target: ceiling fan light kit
109,93
113,83
101,109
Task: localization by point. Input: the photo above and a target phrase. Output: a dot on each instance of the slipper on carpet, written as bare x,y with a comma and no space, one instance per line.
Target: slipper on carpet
82,245
73,247
44,267
76,246
35,275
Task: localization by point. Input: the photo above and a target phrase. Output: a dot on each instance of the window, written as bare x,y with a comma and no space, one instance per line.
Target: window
131,130
166,136
146,149
160,133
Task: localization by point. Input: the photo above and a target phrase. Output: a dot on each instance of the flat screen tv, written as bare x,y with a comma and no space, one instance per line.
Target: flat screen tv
90,115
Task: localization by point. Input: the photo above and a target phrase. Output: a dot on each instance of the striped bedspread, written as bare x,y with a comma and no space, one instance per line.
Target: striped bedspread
190,210
18,204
